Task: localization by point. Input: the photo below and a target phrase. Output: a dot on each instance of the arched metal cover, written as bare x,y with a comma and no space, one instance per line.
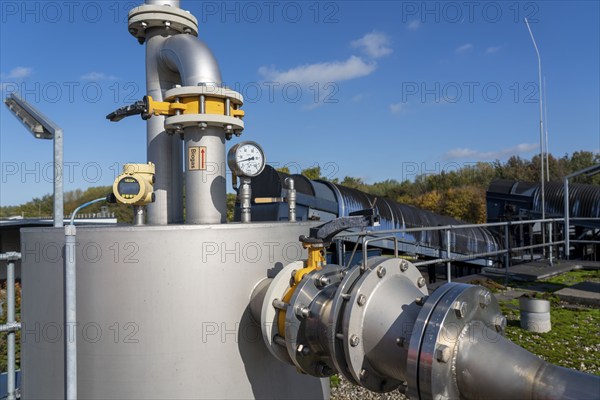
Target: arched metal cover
340,200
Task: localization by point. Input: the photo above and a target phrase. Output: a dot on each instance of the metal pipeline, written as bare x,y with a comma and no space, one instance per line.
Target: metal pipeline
163,150
376,325
173,58
515,373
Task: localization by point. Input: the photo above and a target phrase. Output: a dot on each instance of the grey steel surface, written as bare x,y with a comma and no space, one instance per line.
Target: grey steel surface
522,375
163,312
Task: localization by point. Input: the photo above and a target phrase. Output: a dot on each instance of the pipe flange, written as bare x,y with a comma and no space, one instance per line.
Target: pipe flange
269,314
160,16
342,296
178,122
383,275
444,320
304,331
209,90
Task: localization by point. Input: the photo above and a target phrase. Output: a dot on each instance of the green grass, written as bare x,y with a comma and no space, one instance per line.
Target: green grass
574,277
573,341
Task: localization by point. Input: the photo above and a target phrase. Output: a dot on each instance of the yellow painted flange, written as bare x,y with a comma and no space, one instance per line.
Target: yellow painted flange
315,261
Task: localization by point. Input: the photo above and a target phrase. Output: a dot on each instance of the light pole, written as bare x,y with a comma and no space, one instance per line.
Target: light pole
43,128
543,190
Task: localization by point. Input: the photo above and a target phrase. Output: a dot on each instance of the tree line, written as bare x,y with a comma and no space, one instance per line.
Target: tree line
459,193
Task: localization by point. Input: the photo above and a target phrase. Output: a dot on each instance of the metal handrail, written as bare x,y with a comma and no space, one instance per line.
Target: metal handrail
377,235
11,325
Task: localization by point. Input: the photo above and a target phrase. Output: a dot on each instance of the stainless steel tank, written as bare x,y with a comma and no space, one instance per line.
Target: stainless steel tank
163,313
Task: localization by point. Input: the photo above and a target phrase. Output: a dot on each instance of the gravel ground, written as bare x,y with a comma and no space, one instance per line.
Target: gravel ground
347,391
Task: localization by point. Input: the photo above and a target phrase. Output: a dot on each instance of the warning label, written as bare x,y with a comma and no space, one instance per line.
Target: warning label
196,158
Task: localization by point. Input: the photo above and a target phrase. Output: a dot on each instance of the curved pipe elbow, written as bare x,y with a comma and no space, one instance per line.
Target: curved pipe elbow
192,59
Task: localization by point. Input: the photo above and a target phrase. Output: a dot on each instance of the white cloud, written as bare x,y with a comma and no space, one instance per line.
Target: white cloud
333,71
98,76
18,73
374,44
493,49
398,108
414,25
465,48
461,153
359,97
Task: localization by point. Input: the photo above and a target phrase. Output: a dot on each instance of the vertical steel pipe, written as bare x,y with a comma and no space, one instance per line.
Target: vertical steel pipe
10,318
139,215
291,199
507,254
205,189
58,178
567,224
70,311
448,249
161,149
192,61
245,200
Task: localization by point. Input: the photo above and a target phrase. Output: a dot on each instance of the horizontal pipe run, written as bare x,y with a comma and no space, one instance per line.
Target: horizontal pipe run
522,375
10,256
10,327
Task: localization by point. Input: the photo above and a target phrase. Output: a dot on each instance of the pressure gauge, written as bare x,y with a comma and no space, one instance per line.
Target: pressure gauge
246,159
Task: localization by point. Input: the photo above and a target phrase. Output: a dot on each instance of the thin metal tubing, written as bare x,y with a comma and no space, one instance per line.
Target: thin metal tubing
10,294
83,206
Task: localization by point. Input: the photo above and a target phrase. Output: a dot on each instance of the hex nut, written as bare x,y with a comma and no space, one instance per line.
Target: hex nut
460,307
364,374
361,300
302,312
354,340
442,353
403,265
500,323
421,282
485,299
381,272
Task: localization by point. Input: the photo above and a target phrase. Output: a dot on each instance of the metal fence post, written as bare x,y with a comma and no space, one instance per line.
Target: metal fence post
448,248
507,254
10,318
550,244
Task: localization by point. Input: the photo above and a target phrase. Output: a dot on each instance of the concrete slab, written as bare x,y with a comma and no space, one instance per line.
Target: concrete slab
582,293
537,270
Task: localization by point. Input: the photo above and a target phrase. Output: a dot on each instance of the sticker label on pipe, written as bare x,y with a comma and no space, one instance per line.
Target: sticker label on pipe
197,158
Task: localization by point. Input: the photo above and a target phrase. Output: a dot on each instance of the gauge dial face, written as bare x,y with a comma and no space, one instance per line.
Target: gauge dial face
249,159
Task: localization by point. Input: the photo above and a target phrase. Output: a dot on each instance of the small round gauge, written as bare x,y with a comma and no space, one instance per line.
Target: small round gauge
246,159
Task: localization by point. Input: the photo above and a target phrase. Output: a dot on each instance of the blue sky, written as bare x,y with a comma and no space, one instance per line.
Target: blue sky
369,89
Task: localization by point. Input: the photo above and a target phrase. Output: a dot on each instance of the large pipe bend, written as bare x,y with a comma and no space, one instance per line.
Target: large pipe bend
192,59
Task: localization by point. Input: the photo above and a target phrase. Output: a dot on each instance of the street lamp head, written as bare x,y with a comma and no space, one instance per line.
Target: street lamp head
38,124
